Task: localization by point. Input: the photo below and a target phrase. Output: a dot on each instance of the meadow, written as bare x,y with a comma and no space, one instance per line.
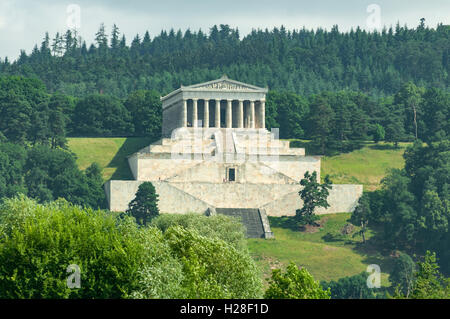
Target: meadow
110,153
324,251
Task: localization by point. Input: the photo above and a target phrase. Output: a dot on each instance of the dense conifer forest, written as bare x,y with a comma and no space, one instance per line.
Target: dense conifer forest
301,61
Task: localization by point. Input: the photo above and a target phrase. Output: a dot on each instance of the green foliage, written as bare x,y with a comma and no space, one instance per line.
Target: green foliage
212,268
94,181
313,195
52,173
286,111
226,228
22,101
301,61
320,122
429,282
60,114
361,215
413,205
398,205
353,287
12,162
378,133
146,112
402,275
436,112
39,242
295,283
101,115
47,174
144,206
117,258
395,131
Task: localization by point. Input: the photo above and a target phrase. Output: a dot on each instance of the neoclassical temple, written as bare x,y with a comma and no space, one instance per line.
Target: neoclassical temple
216,157
221,103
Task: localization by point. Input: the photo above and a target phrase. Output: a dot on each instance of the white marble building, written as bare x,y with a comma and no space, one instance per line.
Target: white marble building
216,155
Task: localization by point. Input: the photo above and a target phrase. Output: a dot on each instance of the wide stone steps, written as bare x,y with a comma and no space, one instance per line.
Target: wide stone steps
250,218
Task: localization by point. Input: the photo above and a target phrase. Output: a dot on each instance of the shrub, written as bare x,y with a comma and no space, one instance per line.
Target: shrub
116,257
221,227
213,268
295,283
38,243
353,287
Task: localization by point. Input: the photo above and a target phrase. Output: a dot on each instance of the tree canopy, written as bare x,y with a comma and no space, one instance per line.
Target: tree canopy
294,283
301,61
115,257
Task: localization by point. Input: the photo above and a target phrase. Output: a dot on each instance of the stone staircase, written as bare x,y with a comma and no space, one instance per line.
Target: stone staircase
263,142
252,220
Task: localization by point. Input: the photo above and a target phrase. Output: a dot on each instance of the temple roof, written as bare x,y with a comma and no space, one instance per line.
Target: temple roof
219,85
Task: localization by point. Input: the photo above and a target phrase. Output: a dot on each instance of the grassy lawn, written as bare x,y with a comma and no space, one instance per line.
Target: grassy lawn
326,257
366,166
109,153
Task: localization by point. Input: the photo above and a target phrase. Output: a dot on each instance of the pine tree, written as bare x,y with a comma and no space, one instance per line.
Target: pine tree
115,38
101,38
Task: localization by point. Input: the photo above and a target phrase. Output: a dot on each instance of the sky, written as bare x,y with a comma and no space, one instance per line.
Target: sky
24,23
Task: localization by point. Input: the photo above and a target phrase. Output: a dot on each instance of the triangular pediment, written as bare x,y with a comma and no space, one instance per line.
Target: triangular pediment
227,85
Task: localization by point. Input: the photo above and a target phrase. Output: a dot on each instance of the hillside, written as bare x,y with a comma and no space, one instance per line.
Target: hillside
366,166
109,153
326,253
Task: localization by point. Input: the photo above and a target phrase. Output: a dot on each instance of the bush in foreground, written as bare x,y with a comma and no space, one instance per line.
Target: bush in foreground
352,287
295,283
116,257
229,229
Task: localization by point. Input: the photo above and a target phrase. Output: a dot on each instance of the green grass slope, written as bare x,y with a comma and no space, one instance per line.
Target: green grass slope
326,253
110,153
366,166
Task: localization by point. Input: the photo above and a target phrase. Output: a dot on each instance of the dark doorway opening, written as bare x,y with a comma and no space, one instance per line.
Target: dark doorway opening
232,174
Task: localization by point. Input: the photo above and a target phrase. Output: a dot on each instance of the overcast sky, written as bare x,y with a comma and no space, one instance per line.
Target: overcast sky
24,23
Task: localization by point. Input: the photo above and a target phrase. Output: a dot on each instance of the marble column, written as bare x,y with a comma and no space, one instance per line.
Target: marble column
241,114
184,115
194,113
229,114
252,114
217,119
206,114
263,114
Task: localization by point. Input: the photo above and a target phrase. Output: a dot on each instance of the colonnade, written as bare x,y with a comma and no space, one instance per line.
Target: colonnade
249,114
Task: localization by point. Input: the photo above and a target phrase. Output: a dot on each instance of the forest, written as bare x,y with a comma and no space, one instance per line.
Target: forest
300,61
